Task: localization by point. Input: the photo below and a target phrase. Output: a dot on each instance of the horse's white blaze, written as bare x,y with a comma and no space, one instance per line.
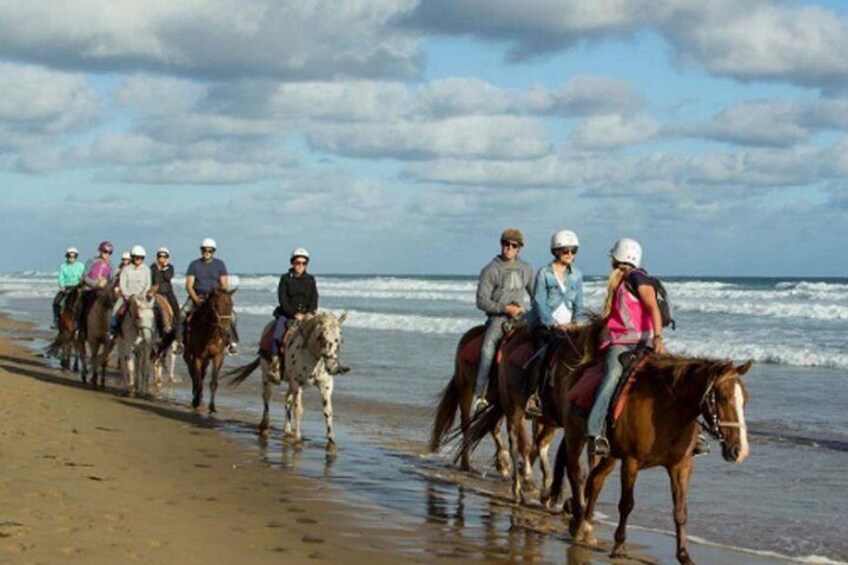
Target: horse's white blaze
738,400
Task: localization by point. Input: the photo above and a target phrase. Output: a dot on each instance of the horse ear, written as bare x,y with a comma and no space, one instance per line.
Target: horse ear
343,317
232,291
742,369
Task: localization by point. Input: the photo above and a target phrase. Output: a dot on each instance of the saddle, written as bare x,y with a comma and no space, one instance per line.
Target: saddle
582,393
266,342
473,348
164,314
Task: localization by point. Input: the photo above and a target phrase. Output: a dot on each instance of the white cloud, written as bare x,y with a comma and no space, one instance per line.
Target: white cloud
613,130
486,137
463,97
41,101
214,38
585,96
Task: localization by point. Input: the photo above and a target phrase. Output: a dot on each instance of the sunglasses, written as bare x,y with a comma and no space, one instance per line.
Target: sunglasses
510,244
161,255
299,262
207,250
71,256
137,257
567,251
107,252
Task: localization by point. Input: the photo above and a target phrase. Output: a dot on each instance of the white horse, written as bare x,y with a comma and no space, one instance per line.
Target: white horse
135,345
311,357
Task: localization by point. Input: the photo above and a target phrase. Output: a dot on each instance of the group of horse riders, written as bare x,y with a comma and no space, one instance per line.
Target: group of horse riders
631,310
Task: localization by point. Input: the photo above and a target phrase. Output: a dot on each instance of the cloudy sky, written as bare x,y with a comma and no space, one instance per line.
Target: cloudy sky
401,136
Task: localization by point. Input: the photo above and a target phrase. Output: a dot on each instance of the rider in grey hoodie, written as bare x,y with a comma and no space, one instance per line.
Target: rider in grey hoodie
501,291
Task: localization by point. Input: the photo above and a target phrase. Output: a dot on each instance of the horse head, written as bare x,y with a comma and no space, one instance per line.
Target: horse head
324,336
723,408
143,317
220,305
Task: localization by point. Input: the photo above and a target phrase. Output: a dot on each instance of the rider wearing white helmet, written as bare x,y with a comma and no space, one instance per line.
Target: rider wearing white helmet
297,296
70,276
557,301
134,279
203,276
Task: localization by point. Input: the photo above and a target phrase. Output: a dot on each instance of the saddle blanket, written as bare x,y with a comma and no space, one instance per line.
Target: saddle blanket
471,351
582,394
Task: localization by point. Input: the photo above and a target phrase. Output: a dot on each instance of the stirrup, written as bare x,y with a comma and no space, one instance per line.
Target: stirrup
479,405
701,446
599,446
533,409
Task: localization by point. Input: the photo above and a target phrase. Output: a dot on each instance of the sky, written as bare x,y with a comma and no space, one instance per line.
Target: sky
402,136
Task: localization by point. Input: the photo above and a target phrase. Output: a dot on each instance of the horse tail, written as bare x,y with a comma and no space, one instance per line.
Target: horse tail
55,347
482,425
240,374
445,414
559,470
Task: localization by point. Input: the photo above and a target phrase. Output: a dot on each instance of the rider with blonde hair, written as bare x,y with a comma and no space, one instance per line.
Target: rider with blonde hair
633,319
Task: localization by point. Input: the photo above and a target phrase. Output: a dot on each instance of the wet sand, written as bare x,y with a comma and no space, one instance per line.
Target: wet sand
98,478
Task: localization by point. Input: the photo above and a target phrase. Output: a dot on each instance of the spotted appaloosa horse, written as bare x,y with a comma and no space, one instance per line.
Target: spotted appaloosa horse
206,341
658,426
311,357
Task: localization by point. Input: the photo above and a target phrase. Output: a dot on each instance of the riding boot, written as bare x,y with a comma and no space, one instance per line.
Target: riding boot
533,408
113,327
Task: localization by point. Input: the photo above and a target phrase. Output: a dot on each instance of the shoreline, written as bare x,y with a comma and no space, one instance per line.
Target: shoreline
190,492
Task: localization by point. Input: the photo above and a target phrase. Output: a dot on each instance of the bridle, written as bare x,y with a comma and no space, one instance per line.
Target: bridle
708,406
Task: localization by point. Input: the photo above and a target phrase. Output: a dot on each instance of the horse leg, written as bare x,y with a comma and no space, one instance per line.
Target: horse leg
326,389
290,393
542,447
195,368
575,442
524,448
126,353
596,480
680,475
502,458
172,360
298,413
466,397
213,382
629,470
265,424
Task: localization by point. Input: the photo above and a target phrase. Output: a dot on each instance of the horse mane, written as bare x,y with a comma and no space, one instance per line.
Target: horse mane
679,367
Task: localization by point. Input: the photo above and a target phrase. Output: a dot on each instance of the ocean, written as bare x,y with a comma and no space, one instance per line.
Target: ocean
785,501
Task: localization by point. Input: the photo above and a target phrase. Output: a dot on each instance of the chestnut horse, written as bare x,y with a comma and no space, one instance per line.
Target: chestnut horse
67,337
512,393
459,394
658,426
206,341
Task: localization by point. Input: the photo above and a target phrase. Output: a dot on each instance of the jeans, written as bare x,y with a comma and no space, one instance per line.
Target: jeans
493,335
280,327
612,374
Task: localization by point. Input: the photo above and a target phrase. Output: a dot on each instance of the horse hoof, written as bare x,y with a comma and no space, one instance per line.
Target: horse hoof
619,552
212,409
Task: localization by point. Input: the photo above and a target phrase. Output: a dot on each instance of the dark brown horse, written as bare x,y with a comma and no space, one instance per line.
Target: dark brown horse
97,333
512,392
67,337
658,426
206,341
459,394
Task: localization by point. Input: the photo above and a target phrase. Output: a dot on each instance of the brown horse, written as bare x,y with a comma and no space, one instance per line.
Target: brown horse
97,334
658,426
459,394
67,337
513,391
206,341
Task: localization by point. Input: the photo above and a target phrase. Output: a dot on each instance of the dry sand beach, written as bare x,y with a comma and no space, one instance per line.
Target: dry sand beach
93,477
